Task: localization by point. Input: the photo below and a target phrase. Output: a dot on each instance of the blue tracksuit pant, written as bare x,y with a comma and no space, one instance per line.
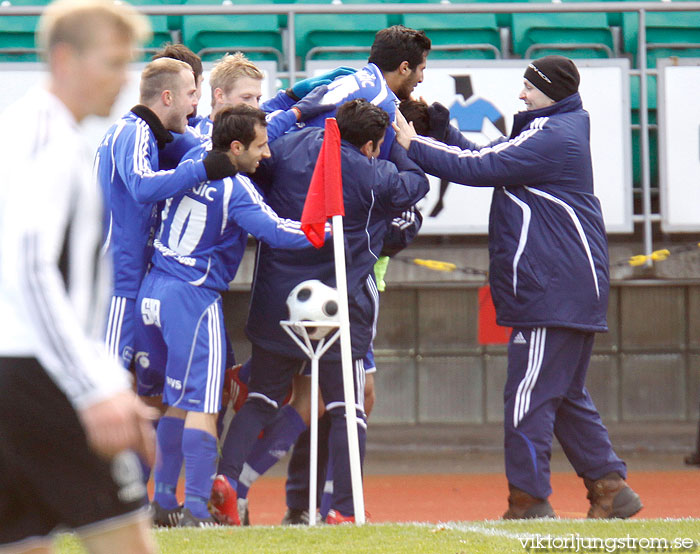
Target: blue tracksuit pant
545,395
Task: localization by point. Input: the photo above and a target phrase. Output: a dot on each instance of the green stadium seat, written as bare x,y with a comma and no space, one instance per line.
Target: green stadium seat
458,35
668,34
211,36
577,35
336,36
651,92
164,27
653,134
17,33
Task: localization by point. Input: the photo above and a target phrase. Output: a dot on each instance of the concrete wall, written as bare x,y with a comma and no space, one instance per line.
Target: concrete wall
431,368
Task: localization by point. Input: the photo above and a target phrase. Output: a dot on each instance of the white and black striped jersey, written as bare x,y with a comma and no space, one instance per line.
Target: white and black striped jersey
53,288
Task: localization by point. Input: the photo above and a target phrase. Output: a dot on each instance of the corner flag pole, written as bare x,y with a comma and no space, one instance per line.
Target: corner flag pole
358,500
325,199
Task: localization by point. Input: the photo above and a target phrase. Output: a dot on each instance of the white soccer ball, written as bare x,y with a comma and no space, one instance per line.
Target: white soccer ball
313,300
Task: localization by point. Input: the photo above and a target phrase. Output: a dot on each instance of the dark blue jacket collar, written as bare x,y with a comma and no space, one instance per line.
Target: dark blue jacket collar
522,119
162,135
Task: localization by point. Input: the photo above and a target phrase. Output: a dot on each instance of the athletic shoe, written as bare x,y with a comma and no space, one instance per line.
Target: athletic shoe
334,517
692,459
190,520
223,503
165,518
295,517
235,391
243,513
611,497
522,505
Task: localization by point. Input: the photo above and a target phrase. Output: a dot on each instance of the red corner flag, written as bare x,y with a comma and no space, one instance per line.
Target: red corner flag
325,196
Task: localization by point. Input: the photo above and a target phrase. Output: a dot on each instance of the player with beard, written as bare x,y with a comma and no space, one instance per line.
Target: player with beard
396,63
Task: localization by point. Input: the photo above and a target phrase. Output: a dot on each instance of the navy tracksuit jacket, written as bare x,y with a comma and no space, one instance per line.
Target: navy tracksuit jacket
549,280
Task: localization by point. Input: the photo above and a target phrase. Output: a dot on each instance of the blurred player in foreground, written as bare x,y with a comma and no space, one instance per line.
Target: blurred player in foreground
67,412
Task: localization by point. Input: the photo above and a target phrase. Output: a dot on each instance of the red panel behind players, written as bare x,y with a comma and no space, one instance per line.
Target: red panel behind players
489,331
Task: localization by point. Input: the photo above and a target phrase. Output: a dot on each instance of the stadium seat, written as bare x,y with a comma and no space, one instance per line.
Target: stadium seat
653,134
578,35
211,36
336,36
165,28
17,33
458,35
668,34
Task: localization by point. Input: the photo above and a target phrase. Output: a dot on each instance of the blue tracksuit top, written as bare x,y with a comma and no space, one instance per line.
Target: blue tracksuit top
127,168
203,234
368,83
374,191
547,243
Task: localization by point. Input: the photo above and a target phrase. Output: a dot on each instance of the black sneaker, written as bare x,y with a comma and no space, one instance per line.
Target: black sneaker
165,518
189,520
295,517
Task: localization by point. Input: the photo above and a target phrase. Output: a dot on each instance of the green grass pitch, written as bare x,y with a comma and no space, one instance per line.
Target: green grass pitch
479,537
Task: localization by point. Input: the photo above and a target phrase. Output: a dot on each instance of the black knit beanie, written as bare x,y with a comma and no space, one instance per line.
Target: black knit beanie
556,76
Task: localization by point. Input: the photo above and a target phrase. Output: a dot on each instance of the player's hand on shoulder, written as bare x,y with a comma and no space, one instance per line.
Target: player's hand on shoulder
405,131
311,105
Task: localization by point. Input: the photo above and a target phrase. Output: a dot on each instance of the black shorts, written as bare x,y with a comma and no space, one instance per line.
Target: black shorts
49,477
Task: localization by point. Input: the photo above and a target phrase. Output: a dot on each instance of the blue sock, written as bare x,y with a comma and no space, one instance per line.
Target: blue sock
244,372
199,449
242,435
279,436
234,484
168,461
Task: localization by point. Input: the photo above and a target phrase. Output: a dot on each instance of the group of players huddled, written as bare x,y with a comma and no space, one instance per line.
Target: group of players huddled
183,192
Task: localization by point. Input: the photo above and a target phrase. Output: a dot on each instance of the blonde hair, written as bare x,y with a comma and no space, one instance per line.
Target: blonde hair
229,69
77,22
160,75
